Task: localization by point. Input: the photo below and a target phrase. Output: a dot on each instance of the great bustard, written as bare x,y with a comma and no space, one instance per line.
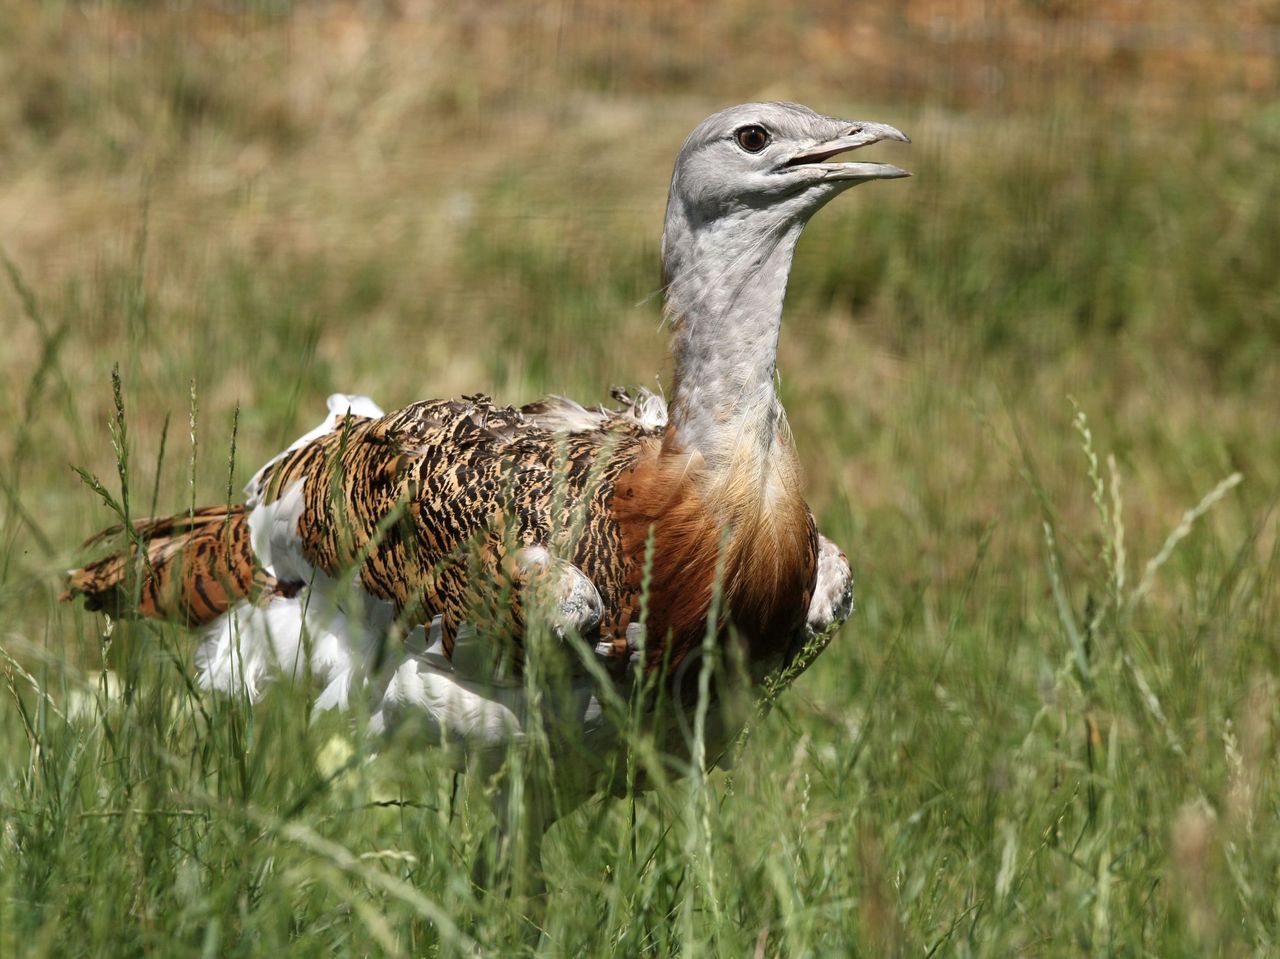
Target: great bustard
440,524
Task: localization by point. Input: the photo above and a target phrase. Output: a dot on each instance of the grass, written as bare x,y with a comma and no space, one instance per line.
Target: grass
1051,726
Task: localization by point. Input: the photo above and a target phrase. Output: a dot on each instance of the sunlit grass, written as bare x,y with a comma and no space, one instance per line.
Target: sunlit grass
1010,377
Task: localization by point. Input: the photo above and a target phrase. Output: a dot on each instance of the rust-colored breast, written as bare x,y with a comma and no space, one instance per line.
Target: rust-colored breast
701,528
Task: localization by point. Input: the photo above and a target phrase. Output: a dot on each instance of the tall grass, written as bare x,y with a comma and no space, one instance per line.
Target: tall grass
1023,384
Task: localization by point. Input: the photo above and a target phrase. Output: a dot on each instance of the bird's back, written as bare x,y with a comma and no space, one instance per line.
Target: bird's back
429,502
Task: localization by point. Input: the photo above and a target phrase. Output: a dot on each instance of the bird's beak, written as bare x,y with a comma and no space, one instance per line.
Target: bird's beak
857,134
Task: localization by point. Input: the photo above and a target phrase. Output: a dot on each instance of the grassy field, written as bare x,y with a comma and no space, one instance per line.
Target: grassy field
1036,389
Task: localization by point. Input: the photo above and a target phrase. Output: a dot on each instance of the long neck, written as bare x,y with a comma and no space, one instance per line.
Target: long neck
725,287
726,464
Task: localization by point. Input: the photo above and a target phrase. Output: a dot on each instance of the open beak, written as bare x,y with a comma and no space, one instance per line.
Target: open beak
858,134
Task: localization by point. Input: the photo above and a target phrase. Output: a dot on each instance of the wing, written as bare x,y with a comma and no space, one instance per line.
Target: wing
434,509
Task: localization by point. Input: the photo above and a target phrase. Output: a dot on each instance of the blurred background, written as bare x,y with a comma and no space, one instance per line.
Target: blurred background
257,204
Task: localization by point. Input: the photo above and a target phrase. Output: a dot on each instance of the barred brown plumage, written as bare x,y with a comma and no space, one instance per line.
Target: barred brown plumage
472,480
194,567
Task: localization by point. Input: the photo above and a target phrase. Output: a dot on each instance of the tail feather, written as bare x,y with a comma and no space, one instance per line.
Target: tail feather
191,569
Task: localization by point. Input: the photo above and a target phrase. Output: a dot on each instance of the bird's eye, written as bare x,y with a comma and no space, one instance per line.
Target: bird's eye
752,138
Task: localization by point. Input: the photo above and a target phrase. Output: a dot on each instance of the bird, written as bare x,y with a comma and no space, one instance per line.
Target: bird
413,557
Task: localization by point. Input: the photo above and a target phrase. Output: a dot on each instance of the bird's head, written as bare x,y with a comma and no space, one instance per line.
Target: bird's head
771,163
745,183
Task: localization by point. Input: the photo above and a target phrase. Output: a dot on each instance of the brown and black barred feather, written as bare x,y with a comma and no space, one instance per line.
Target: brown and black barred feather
431,502
428,505
194,568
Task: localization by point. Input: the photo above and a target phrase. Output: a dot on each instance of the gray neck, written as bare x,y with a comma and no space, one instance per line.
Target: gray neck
726,280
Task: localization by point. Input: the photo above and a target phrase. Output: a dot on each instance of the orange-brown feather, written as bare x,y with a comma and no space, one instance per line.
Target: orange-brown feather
750,524
195,567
